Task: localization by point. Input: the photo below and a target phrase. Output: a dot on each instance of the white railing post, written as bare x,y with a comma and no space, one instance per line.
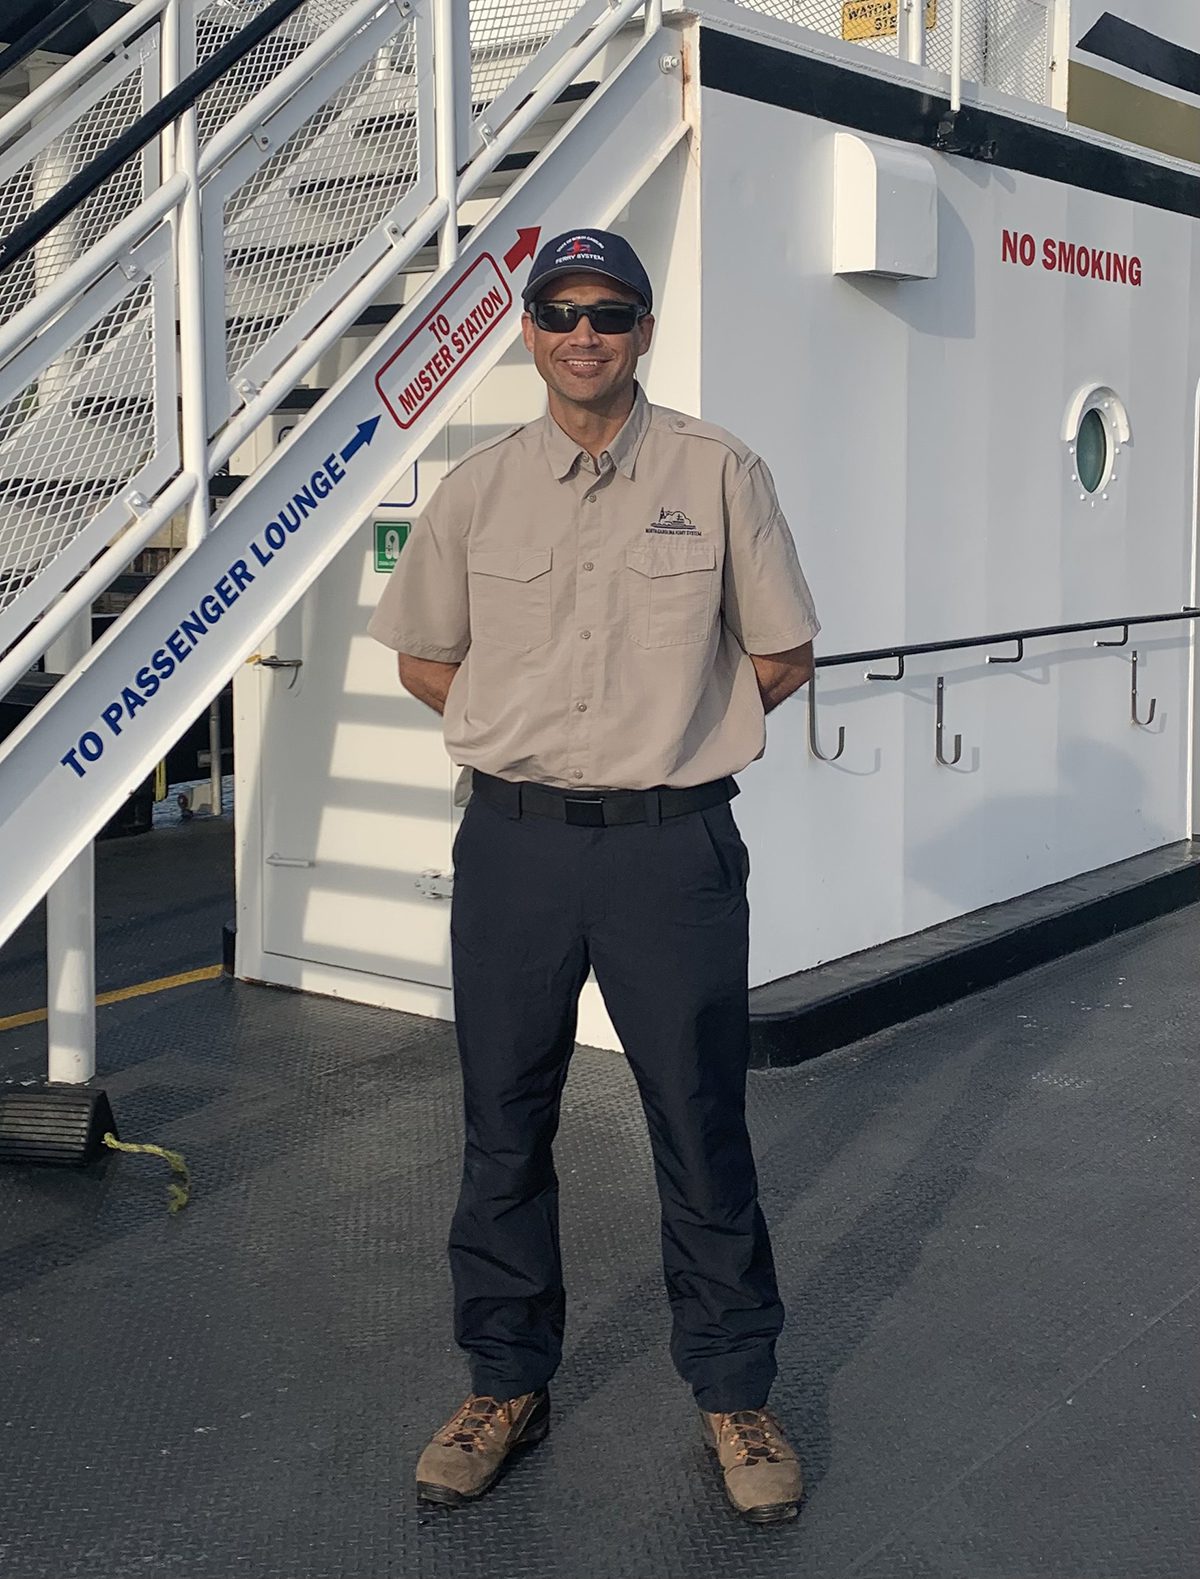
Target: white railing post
452,78
179,58
71,924
912,31
654,16
956,21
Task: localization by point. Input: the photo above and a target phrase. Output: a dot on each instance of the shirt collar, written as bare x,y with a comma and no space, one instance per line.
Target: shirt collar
563,453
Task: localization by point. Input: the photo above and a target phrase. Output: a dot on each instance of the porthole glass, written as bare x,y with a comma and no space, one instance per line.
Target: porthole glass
1092,448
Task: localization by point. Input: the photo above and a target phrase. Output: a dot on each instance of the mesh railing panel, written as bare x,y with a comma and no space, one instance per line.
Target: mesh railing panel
74,438
1005,42
313,201
858,20
505,34
1019,49
218,23
976,37
43,173
1005,46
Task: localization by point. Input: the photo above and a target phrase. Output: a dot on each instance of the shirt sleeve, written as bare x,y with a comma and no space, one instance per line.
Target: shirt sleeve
423,610
766,601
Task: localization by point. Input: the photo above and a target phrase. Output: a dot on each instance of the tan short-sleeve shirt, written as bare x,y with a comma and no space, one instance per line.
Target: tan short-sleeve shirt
602,614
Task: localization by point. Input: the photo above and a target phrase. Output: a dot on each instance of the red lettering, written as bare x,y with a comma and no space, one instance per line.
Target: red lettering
1028,249
1135,271
1008,247
1120,268
1097,264
1049,254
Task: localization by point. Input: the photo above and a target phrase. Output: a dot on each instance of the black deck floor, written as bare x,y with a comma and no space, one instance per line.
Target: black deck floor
985,1227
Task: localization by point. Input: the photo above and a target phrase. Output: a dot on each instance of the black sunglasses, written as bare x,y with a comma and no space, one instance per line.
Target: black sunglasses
604,317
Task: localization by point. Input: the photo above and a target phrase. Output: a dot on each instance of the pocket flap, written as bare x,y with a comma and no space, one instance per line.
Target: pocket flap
671,559
514,564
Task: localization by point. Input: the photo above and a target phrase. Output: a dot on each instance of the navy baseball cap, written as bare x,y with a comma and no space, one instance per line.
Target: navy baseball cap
589,252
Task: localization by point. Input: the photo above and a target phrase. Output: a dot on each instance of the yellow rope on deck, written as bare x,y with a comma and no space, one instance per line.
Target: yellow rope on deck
177,1193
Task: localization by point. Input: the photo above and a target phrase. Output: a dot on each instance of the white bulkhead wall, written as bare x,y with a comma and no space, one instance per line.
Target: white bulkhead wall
914,431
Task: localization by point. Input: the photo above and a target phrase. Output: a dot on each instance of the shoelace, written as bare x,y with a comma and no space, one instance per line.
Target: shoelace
753,1438
472,1424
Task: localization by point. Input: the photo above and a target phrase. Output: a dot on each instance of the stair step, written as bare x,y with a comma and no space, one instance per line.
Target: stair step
385,180
404,120
224,484
34,492
300,399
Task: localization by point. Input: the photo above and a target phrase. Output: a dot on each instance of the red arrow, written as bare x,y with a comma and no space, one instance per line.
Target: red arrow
524,247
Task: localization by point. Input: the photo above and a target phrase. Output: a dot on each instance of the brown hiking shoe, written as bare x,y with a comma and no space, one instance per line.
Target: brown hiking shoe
467,1454
762,1474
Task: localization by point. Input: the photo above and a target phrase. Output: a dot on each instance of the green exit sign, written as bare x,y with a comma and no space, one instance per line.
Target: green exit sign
390,538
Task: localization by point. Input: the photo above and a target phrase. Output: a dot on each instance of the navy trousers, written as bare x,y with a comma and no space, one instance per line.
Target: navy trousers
660,913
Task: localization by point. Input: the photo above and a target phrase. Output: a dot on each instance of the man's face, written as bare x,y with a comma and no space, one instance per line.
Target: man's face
581,366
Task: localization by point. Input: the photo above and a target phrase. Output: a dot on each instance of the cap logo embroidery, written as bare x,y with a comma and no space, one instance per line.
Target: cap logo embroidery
576,247
674,523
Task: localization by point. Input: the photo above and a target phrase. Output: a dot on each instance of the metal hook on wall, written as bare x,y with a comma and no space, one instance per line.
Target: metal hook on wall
1017,657
1133,703
899,674
1123,641
812,727
939,733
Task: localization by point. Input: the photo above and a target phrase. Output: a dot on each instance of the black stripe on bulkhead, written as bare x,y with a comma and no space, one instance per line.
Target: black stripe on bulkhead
863,102
1126,44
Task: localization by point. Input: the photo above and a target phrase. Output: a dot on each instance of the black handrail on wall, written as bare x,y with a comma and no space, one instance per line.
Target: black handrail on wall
904,650
131,141
41,32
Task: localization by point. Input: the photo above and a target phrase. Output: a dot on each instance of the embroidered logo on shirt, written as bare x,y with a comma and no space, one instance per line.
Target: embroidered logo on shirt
673,523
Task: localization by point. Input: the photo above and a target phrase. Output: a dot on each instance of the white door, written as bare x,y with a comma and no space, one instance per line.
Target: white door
355,784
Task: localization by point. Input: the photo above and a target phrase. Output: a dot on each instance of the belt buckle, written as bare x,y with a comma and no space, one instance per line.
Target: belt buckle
582,812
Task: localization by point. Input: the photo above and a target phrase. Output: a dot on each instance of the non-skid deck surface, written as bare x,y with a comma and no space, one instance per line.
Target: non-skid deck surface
984,1223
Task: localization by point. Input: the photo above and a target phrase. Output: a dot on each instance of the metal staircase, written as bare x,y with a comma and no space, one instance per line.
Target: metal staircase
200,214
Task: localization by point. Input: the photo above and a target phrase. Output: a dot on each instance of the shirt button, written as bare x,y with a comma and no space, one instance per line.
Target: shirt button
581,707
578,773
585,635
587,565
679,423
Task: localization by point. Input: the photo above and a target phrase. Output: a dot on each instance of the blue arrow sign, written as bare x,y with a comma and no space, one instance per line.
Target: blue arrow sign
364,435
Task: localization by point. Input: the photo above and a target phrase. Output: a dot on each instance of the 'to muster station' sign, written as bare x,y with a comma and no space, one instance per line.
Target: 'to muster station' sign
1071,257
456,327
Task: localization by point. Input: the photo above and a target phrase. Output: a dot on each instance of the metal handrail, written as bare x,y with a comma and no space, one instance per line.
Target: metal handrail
143,131
902,650
40,33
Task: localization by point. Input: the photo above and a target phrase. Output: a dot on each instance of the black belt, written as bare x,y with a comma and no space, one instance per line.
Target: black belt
604,808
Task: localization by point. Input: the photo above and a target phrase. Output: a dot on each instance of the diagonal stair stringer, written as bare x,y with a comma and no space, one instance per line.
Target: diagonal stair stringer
106,724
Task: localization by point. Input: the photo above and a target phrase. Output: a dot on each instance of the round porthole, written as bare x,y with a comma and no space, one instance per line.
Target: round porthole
1093,451
1096,433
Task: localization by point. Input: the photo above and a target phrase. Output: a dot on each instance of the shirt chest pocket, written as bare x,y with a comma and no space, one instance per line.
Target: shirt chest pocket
672,592
509,590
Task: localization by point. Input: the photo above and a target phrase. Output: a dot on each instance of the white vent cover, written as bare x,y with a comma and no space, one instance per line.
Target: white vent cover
884,210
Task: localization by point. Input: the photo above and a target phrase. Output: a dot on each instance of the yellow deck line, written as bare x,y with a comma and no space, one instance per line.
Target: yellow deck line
139,989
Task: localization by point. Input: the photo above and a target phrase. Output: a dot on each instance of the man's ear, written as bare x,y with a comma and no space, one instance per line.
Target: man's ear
527,330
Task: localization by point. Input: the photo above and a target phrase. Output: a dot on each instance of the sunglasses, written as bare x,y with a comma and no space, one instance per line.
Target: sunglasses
604,317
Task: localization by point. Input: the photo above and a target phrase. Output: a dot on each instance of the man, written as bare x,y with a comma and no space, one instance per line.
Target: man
603,604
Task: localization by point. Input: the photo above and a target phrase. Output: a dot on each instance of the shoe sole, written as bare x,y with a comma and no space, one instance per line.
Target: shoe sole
449,1497
777,1513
